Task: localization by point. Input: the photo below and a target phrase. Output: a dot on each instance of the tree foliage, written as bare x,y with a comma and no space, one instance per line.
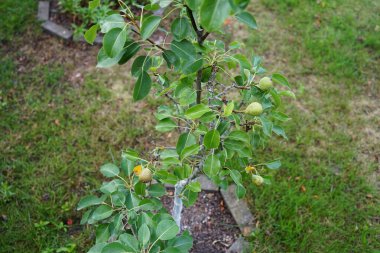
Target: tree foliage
221,103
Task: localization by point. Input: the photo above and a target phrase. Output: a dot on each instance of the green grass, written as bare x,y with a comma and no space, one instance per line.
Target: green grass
54,135
340,36
53,139
333,214
15,17
322,157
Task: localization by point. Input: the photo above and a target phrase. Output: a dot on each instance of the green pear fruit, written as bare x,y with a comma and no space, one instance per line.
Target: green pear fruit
257,180
254,109
265,83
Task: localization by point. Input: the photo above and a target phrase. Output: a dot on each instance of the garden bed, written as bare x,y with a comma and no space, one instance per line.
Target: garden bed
209,221
61,18
70,26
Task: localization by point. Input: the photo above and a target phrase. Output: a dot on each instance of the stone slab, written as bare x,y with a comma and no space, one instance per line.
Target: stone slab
239,246
206,184
239,210
98,40
159,12
57,30
43,10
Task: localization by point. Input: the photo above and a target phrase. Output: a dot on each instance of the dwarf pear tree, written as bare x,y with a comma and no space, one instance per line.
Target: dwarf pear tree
220,103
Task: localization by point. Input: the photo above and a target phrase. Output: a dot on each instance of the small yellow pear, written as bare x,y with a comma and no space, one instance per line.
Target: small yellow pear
145,176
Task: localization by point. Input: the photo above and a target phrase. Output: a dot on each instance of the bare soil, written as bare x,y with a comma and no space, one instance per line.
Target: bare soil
209,221
59,17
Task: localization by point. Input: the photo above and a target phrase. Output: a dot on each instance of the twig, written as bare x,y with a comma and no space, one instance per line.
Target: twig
150,41
205,36
201,36
198,84
210,83
137,32
240,87
194,25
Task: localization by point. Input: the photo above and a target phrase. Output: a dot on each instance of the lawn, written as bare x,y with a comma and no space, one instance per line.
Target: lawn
323,199
52,140
57,129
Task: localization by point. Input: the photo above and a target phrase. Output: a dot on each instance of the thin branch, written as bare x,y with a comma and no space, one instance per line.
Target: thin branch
193,175
150,41
193,23
137,32
204,36
199,86
200,38
224,92
173,100
241,87
177,105
180,128
210,83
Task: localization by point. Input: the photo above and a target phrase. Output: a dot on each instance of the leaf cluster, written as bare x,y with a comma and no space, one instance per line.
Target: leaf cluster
222,103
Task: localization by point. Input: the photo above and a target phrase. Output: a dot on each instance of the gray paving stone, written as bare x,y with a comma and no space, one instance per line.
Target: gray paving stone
207,184
239,246
57,30
43,10
98,40
239,210
159,12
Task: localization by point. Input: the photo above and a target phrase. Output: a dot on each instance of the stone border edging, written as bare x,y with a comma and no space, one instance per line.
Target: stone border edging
206,184
58,30
239,210
239,246
238,207
43,10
